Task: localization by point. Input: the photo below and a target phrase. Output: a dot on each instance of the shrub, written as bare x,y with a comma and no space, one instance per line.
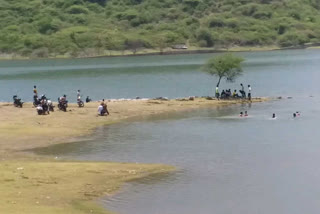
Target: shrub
292,39
77,9
40,53
205,35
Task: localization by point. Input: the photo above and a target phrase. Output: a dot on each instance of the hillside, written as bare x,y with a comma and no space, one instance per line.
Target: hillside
43,28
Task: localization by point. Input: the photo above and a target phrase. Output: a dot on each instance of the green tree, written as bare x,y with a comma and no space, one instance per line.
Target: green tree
224,66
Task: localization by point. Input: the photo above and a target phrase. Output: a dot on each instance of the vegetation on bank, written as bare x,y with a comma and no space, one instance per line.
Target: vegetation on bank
42,28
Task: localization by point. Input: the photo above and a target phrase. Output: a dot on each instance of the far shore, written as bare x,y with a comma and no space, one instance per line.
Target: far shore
169,51
46,185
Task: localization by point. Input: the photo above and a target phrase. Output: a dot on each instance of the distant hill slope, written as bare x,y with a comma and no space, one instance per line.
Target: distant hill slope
92,27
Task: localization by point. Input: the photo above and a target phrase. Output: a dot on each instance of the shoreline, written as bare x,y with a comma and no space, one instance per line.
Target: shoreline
154,52
23,124
57,181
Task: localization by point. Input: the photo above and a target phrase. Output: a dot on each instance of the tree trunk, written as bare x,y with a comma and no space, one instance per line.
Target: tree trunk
219,81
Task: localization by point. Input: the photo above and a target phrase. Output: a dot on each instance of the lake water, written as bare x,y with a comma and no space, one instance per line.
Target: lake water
226,164
269,73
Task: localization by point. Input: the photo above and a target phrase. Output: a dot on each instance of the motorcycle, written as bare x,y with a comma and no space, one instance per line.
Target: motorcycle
17,101
62,105
40,110
43,108
80,103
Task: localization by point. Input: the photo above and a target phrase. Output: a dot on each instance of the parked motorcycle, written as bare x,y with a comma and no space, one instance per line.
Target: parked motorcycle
62,105
17,102
80,103
40,110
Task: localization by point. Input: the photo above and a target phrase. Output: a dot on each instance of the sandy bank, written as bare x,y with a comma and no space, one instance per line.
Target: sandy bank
64,187
33,185
22,129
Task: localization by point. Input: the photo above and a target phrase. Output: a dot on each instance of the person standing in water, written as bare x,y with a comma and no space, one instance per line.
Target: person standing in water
249,92
273,115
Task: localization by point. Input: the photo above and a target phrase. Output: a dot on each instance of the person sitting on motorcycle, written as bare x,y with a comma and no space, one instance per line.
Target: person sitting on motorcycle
16,99
43,97
63,99
78,95
44,105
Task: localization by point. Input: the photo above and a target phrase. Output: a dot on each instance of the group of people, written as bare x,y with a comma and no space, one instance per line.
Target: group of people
245,114
227,94
102,109
44,105
295,114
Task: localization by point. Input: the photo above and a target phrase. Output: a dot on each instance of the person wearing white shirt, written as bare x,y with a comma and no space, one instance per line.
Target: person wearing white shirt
101,109
249,92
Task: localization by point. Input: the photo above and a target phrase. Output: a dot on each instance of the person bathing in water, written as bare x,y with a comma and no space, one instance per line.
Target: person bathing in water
243,115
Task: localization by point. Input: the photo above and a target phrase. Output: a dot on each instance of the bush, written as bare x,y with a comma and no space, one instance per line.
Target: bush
292,39
40,53
205,35
77,9
216,22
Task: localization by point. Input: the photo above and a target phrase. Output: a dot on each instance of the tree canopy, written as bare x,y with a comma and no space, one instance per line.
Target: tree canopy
224,66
